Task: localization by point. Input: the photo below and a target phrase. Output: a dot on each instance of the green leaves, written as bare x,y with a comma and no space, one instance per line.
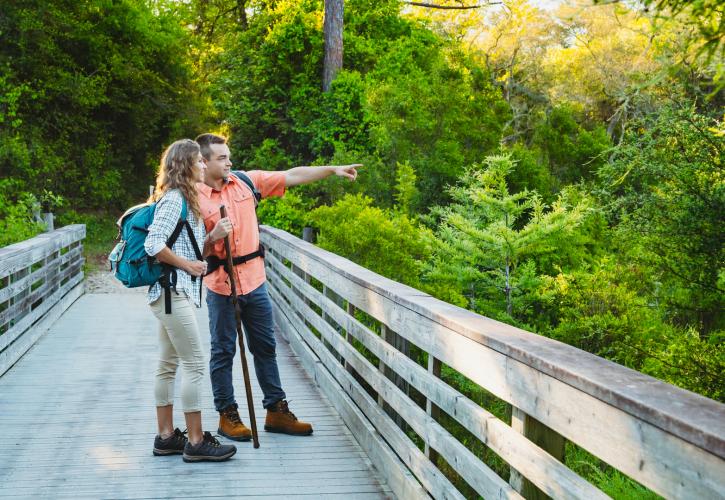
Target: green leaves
385,241
92,92
666,191
490,239
404,95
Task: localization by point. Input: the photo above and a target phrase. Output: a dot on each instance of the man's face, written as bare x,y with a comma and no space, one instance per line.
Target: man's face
219,164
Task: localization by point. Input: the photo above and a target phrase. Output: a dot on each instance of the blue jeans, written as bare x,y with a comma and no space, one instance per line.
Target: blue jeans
256,313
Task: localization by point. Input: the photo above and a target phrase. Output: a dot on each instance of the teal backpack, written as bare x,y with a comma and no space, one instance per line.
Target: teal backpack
129,261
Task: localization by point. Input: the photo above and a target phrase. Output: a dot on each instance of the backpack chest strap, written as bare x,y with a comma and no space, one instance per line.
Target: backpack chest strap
214,262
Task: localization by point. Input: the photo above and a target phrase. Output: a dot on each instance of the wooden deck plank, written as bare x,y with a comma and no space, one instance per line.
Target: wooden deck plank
79,413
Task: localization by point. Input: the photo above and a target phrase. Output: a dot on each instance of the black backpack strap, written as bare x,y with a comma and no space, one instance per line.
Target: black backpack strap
175,234
169,276
245,178
168,282
197,252
214,262
194,244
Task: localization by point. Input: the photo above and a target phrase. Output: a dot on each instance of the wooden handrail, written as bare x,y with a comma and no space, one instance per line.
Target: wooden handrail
39,278
669,439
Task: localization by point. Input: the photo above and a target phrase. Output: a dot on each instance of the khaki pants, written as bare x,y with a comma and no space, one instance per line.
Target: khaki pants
179,342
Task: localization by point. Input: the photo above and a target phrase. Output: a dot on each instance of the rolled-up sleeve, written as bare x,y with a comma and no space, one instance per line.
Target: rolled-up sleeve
166,216
268,183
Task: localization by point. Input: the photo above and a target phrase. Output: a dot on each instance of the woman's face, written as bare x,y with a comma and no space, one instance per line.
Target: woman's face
198,169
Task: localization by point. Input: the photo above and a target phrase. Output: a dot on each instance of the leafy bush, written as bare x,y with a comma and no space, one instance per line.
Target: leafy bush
405,95
17,222
288,213
572,151
385,241
666,192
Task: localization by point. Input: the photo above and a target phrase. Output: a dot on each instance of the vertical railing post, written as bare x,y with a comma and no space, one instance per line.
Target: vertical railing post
402,345
299,272
545,438
48,221
326,317
20,296
349,338
434,368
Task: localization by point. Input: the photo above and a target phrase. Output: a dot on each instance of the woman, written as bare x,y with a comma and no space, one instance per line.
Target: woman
181,168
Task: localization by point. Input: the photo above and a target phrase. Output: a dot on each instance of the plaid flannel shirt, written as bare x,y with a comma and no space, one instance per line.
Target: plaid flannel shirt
166,216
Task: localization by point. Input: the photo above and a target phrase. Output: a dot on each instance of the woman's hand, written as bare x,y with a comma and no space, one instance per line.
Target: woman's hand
196,267
221,229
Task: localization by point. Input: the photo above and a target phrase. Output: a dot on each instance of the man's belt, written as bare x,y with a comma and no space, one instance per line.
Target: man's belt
213,262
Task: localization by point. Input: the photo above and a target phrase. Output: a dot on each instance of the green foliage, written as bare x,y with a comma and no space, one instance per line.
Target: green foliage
666,192
405,190
16,214
101,236
530,171
434,109
572,151
684,359
489,240
599,310
91,91
288,213
606,478
385,241
405,95
609,311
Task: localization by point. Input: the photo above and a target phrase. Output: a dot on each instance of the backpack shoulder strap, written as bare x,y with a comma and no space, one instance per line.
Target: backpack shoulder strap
245,178
179,225
184,209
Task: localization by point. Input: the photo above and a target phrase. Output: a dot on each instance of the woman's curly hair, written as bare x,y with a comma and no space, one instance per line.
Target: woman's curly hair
176,171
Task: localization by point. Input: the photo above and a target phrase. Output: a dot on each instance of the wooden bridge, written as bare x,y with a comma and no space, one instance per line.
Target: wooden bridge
367,360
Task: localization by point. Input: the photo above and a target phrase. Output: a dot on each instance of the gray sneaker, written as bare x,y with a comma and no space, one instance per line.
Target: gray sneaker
172,445
209,450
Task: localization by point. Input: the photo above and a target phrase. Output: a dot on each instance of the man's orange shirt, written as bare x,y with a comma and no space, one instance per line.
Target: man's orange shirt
244,238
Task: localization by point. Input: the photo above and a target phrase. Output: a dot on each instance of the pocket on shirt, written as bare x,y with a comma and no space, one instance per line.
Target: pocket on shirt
244,202
211,217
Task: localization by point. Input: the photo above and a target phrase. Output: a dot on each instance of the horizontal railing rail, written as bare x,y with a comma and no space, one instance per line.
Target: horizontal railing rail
39,279
355,330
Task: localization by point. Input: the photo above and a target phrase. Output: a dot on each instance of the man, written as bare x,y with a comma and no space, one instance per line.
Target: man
221,188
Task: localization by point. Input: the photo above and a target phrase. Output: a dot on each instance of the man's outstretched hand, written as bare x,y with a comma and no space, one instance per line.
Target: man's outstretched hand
349,171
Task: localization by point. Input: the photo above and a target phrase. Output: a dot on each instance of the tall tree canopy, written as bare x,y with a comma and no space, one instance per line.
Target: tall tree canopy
91,91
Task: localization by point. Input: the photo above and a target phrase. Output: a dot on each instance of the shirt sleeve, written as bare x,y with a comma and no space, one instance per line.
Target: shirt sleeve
268,183
166,216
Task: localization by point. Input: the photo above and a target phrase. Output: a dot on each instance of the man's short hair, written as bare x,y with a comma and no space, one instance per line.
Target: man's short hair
206,140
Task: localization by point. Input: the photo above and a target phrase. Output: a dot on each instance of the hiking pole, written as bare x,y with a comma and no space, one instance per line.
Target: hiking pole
240,333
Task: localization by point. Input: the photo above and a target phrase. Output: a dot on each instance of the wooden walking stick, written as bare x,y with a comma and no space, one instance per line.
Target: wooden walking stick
240,333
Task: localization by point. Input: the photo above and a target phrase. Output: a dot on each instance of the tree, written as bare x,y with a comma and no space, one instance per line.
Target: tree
489,238
334,10
665,191
91,92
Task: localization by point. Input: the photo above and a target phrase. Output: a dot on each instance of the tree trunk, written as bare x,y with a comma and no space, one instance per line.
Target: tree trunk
333,41
242,13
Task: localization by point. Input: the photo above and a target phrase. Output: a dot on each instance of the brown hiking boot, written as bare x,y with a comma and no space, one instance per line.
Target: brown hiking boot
231,426
280,419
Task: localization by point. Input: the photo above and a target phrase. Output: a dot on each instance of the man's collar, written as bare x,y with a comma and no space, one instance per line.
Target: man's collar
206,190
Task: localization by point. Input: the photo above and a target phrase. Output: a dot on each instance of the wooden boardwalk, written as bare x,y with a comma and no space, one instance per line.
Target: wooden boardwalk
77,418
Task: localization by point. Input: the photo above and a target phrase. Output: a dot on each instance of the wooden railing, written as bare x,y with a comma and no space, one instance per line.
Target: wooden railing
39,279
354,330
